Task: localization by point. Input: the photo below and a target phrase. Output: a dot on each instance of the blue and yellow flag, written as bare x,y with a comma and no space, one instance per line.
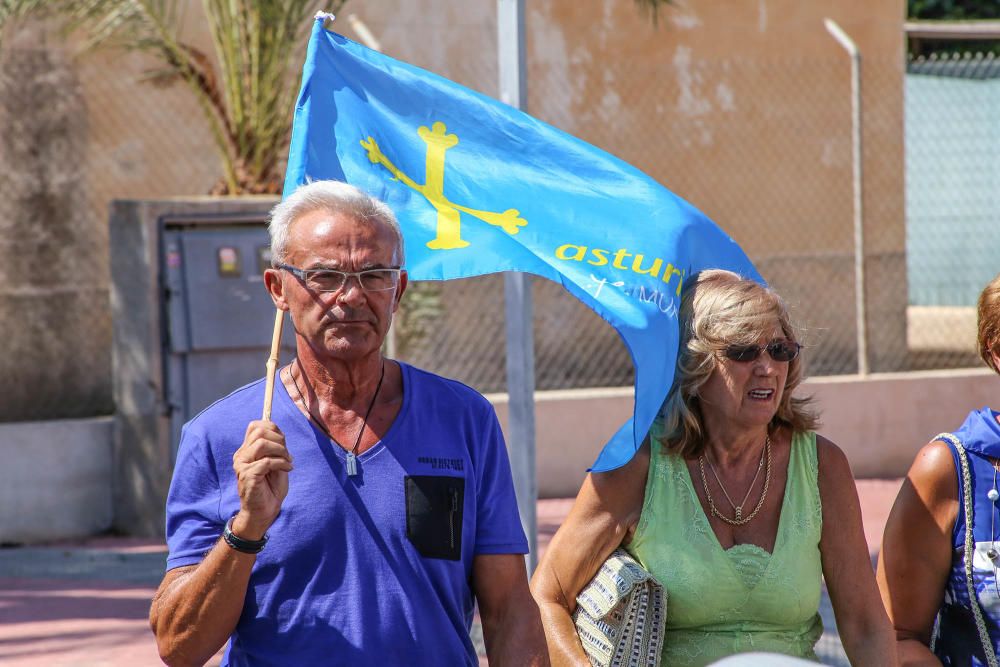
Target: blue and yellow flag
480,187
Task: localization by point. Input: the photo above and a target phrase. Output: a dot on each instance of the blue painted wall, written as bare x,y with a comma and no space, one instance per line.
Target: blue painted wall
952,188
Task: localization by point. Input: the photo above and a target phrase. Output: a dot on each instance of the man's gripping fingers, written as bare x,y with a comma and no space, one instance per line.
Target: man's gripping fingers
262,439
260,449
259,429
260,468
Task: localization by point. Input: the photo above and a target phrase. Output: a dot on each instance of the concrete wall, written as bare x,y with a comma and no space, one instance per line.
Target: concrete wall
880,422
57,477
55,481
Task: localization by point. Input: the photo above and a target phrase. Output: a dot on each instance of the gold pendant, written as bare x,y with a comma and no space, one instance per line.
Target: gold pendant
739,513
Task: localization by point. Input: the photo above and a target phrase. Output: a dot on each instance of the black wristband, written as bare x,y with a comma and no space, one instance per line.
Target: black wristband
240,544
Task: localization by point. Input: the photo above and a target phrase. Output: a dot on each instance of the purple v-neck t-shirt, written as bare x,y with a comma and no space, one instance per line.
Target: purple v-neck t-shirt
374,569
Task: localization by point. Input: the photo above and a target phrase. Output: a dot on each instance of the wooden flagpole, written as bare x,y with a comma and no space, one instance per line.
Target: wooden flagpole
272,363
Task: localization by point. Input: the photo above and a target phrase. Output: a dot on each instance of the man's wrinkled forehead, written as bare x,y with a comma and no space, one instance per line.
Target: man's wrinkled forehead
321,227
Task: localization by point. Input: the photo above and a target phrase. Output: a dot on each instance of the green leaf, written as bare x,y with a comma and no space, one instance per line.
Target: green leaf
247,91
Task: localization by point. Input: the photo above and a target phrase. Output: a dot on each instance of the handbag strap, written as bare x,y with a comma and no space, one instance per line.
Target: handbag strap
977,612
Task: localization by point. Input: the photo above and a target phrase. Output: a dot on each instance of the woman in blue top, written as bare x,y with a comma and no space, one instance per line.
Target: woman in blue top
924,574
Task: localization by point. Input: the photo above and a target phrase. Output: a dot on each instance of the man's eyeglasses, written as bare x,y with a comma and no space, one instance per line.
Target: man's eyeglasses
780,350
331,280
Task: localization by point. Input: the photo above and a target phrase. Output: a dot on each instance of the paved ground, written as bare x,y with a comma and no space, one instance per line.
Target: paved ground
84,604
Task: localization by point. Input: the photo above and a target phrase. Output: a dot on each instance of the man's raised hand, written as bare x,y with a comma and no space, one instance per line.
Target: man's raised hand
262,464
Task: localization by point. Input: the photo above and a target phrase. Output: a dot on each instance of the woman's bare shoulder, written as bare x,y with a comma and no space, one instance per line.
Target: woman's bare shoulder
933,473
623,489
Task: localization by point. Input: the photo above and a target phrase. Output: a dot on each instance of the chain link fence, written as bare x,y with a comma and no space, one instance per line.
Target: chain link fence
953,217
763,146
457,328
785,194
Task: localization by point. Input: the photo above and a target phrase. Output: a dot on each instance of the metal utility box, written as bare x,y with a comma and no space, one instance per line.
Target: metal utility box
192,322
217,312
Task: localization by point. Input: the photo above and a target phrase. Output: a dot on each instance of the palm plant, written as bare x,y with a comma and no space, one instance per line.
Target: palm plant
652,7
248,97
11,10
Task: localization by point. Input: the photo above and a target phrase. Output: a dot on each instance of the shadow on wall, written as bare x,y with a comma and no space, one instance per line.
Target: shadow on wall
54,311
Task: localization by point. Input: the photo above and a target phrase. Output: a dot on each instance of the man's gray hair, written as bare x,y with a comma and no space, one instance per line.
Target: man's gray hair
332,197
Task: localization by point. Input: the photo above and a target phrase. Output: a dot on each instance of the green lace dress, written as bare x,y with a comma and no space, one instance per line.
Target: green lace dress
726,601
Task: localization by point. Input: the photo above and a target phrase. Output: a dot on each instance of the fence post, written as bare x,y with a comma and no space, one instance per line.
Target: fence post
859,229
518,308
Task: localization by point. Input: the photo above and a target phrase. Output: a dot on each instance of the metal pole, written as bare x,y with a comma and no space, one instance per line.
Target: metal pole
859,229
517,298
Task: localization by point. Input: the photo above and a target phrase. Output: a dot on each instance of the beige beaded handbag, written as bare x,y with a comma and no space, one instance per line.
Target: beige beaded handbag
621,614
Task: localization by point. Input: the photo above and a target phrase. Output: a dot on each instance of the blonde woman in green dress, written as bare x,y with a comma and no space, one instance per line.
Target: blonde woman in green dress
733,503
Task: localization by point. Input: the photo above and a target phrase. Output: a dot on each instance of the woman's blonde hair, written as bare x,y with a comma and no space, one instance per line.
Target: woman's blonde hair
719,308
989,323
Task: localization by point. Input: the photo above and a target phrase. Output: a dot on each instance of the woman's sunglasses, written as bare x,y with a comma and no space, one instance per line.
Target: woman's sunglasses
780,350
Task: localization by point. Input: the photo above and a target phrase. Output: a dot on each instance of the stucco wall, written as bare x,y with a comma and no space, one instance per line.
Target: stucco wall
741,108
880,421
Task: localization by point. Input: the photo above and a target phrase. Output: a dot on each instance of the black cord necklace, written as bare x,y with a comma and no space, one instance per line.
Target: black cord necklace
352,456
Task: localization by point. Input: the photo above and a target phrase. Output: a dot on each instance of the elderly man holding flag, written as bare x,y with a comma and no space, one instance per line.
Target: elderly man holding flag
400,509
361,520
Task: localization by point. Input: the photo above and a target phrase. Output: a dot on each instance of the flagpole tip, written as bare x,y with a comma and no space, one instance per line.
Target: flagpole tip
328,19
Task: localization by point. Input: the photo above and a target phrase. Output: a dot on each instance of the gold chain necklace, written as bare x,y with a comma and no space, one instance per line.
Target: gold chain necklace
739,508
739,520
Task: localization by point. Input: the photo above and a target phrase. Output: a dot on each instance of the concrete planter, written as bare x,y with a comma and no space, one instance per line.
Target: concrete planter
56,480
